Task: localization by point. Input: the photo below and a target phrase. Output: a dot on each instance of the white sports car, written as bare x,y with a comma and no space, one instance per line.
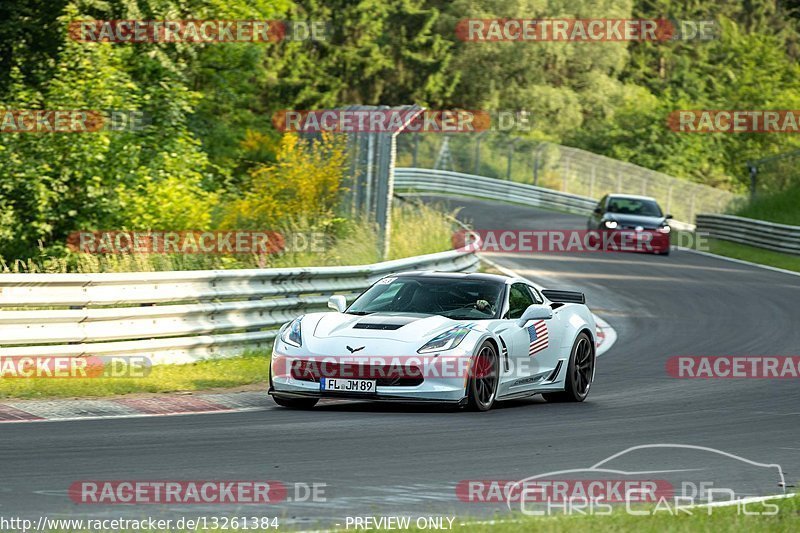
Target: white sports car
465,339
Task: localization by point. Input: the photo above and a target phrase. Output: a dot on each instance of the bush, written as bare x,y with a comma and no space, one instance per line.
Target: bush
305,182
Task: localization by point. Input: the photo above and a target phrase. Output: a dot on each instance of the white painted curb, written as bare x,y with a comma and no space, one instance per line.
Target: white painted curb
606,335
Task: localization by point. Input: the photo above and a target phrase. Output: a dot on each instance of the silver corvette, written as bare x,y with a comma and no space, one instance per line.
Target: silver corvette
465,339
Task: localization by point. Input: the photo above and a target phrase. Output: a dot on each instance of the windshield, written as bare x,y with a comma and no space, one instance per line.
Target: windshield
634,206
449,297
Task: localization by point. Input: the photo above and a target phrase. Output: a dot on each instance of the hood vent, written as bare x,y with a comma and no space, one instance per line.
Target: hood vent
386,322
374,325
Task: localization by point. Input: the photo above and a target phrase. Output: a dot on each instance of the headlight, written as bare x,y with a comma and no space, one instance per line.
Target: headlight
445,341
664,229
610,224
292,335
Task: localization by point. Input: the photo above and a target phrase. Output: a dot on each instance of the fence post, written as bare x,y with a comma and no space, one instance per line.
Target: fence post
669,199
753,177
511,145
370,177
536,163
384,187
415,151
388,152
477,166
354,145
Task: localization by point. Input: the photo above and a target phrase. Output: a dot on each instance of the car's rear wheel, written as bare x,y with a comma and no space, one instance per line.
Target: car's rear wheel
296,403
580,372
484,378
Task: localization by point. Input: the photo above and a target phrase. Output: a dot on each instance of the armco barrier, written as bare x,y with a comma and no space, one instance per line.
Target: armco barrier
178,316
458,184
778,237
424,180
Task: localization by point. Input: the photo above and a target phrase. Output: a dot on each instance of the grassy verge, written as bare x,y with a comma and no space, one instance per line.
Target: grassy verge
783,207
416,230
658,519
721,520
209,374
755,255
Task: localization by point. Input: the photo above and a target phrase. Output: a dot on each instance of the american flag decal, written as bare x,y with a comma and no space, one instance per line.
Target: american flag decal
539,337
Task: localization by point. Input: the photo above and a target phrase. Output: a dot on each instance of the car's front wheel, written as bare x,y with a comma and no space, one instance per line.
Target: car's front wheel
484,378
296,403
580,372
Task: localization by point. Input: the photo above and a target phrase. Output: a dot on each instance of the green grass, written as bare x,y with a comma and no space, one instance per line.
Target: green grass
721,520
783,207
416,230
246,369
755,255
419,229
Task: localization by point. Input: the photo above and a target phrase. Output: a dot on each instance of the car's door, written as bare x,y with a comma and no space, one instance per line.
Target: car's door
530,348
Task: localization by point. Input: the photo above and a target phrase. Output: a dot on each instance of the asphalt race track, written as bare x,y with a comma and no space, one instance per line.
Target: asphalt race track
399,460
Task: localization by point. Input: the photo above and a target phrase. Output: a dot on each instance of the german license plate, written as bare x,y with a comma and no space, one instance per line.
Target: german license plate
347,385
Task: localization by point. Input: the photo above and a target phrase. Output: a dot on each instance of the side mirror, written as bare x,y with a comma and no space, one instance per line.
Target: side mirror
597,210
337,303
535,312
667,216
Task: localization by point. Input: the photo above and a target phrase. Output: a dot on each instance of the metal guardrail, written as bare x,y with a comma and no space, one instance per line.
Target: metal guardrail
424,180
460,184
559,168
178,317
769,235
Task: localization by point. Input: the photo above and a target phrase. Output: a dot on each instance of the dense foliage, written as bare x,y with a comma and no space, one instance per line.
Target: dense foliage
210,157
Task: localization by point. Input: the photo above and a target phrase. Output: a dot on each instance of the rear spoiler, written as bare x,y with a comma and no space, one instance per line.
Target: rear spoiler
567,297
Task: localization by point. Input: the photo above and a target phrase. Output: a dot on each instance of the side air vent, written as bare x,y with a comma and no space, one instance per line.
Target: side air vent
505,352
554,374
383,327
567,297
